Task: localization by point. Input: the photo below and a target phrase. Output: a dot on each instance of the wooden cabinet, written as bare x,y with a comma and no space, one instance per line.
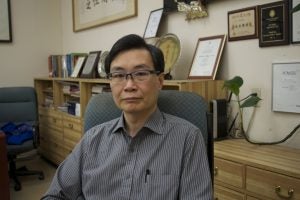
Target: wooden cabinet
72,131
254,172
61,131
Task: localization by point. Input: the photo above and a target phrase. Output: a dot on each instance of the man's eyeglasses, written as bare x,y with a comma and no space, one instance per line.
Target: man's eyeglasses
137,76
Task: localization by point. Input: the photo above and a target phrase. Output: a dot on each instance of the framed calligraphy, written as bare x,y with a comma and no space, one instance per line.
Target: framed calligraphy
242,24
273,24
207,57
5,21
91,13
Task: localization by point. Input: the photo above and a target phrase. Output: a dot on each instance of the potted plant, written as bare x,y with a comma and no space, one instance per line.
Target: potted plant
233,86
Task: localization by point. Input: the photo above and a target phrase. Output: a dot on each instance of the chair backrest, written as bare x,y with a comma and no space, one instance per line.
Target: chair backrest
187,105
18,104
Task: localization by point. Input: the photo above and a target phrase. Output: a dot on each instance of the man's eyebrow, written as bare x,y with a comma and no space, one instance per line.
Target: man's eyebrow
117,68
142,66
139,66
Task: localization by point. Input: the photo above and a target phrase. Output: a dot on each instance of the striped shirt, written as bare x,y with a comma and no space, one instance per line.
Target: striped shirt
166,160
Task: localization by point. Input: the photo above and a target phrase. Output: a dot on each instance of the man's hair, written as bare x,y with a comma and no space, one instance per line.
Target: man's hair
133,41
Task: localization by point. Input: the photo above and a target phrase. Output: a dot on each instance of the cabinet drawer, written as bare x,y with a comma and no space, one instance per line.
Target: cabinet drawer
72,125
55,158
222,193
229,172
265,183
53,122
52,151
51,134
50,118
49,112
70,141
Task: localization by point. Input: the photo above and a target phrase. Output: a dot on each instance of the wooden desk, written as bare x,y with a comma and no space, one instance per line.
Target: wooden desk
4,179
254,172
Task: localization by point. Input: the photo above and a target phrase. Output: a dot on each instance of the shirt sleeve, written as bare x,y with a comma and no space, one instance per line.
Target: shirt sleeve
66,183
195,177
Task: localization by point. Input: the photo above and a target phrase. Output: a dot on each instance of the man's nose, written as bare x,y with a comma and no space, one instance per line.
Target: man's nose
129,77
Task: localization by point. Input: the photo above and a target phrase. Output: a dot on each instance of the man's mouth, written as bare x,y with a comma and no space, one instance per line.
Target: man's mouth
131,98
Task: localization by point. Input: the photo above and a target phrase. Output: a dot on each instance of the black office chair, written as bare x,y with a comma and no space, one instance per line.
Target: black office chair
187,105
18,105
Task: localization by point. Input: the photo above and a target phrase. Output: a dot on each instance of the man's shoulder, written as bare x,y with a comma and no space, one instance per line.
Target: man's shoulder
178,121
102,129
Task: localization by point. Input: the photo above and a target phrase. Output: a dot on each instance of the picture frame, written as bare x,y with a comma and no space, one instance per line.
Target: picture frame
273,24
242,24
207,57
89,68
5,22
286,86
78,66
294,22
153,23
88,14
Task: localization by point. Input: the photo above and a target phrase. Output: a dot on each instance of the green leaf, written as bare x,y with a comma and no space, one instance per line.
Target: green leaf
250,102
234,85
296,8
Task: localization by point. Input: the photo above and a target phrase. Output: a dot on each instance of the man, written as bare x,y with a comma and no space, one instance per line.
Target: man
144,154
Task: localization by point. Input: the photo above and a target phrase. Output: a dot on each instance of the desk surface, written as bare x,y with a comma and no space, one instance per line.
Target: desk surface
277,158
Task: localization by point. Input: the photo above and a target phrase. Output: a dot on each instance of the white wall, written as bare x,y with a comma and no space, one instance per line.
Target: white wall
43,27
36,29
243,58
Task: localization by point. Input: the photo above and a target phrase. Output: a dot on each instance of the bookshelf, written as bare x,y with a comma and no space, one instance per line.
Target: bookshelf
61,127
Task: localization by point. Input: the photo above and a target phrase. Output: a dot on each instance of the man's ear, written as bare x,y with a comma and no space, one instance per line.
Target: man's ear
161,80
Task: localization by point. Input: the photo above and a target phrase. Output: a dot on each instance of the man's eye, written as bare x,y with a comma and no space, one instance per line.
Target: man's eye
118,75
141,73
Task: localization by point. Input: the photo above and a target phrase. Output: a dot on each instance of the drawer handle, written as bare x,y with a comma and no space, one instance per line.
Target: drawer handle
216,171
71,126
289,194
54,120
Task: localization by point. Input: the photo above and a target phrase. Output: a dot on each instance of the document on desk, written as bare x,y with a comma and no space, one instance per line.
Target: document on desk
286,87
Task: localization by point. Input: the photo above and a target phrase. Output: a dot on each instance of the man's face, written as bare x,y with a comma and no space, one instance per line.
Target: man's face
133,96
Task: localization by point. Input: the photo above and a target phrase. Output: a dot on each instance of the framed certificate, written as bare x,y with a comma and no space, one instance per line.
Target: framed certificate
273,24
286,87
295,21
207,57
153,23
242,24
89,68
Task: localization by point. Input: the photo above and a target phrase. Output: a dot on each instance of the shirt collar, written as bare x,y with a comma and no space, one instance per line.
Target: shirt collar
155,123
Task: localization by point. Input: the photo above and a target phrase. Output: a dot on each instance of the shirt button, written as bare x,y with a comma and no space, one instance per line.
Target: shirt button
131,149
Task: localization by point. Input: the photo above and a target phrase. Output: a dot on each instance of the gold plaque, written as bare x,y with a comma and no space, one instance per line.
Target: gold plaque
171,48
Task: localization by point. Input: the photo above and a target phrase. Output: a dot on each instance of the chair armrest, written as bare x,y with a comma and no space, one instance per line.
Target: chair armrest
36,135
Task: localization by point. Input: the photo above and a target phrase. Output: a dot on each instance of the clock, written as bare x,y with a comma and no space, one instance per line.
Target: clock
171,48
101,64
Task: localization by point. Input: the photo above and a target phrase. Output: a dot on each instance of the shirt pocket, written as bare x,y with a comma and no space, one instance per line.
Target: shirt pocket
161,186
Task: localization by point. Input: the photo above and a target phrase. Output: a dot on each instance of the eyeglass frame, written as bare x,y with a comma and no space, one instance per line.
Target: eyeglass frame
132,76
